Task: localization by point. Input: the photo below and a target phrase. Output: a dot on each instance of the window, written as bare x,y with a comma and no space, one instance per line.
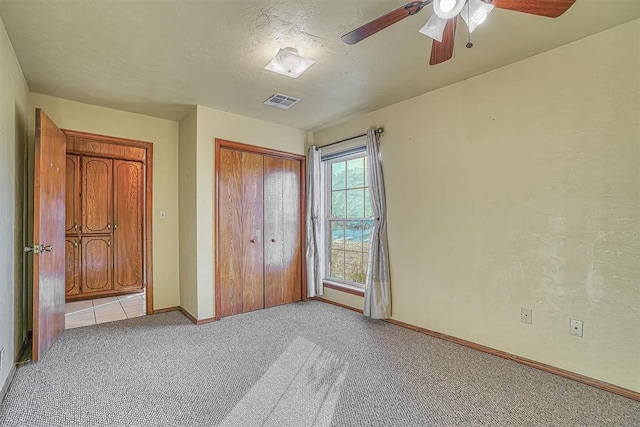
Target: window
349,219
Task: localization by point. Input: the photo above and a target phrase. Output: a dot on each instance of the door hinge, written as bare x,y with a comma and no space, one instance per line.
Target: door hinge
36,249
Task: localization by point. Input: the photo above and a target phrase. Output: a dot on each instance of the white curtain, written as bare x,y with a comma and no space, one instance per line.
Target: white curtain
314,240
377,292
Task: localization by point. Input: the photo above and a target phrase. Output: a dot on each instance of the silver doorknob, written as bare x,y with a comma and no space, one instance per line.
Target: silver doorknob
28,249
47,248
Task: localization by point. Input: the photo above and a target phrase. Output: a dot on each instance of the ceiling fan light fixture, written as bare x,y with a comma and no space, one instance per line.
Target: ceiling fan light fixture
434,27
447,9
475,13
289,63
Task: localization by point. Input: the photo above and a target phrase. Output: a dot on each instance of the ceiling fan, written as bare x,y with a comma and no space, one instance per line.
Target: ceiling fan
441,27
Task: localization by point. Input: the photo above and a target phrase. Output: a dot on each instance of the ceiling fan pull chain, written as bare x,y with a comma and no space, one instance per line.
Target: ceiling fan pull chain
469,45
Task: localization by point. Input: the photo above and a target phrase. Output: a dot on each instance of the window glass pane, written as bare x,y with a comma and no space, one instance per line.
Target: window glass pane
355,173
367,204
353,236
338,204
367,226
338,176
337,264
337,234
355,270
355,203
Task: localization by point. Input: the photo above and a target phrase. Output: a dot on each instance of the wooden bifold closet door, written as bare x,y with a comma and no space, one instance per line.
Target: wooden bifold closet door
282,273
259,241
241,238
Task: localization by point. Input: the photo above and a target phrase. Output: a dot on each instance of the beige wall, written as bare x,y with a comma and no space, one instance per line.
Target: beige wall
13,141
521,188
213,124
164,136
187,212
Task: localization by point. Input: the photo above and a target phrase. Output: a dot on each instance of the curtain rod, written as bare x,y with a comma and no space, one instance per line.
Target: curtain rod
378,131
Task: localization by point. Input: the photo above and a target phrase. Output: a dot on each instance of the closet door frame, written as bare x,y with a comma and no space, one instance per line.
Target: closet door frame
95,145
231,145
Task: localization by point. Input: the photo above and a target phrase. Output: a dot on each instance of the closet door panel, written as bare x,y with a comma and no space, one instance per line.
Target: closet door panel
128,199
73,210
283,275
96,264
252,225
97,195
72,265
230,248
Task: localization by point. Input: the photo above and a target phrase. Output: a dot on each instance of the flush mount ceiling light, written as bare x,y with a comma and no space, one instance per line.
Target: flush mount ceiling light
289,63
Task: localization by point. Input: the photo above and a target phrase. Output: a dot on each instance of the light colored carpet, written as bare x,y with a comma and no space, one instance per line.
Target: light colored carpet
295,365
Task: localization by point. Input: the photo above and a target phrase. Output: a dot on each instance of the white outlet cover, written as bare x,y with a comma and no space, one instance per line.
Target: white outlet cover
526,315
576,328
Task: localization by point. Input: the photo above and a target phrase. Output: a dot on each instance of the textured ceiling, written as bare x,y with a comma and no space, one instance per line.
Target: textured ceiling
160,57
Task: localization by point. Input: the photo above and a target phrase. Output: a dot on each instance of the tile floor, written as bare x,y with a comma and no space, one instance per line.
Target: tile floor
102,310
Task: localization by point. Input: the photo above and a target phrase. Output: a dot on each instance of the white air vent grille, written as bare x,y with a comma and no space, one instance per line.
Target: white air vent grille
281,101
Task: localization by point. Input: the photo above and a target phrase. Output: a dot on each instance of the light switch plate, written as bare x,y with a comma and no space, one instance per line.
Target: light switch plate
163,214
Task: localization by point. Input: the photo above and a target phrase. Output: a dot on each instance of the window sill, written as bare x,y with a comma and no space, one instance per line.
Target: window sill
342,287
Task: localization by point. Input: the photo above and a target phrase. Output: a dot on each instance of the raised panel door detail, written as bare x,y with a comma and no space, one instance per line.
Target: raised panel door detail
128,198
97,195
282,262
96,264
73,210
240,240
72,265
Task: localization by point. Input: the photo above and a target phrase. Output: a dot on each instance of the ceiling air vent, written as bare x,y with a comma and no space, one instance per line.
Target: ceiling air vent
281,101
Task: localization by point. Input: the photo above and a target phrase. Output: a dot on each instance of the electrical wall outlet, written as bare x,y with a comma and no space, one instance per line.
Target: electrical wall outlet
1,358
576,328
526,315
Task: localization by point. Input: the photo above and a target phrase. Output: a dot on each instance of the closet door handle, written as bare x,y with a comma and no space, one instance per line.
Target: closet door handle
273,240
115,226
252,240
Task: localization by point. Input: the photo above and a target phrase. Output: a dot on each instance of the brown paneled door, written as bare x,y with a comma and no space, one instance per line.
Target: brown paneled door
73,214
282,259
48,234
72,273
240,239
96,264
128,199
96,194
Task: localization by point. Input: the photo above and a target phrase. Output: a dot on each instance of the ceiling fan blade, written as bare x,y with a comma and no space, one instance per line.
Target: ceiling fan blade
384,21
443,51
548,8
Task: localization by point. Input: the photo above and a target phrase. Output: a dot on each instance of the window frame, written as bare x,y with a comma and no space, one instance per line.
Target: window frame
327,161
